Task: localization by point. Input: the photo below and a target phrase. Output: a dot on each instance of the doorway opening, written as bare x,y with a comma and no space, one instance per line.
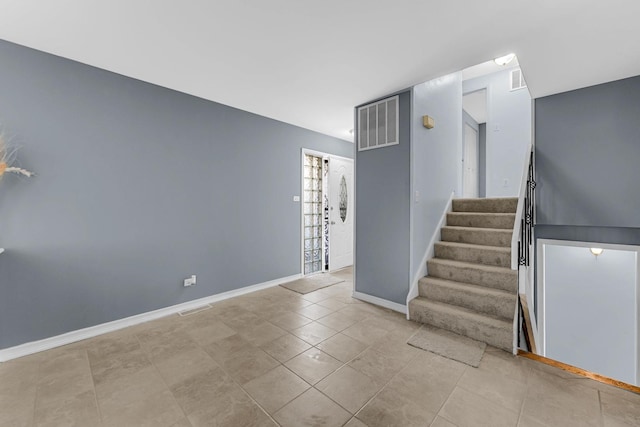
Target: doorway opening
474,136
327,212
496,104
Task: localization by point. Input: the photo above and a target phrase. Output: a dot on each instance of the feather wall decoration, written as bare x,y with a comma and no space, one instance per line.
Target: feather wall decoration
7,158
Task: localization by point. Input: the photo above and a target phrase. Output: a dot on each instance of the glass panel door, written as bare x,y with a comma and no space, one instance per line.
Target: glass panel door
313,213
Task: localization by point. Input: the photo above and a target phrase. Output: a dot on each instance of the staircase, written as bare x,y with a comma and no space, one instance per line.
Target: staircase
471,289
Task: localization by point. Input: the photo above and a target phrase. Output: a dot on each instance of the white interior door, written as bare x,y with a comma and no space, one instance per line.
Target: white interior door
470,180
341,208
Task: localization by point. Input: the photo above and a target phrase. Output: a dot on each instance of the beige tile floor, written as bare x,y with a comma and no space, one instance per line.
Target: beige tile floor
275,357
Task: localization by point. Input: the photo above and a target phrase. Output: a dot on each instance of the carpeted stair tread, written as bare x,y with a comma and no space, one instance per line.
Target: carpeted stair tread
481,299
481,219
480,254
488,329
470,288
495,204
475,274
477,235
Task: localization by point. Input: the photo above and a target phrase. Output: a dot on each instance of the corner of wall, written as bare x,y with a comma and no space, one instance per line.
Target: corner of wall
436,155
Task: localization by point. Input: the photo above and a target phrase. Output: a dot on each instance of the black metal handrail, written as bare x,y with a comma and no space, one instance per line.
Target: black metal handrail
525,241
528,218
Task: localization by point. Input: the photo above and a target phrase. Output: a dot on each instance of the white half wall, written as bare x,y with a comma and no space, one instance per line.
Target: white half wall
590,309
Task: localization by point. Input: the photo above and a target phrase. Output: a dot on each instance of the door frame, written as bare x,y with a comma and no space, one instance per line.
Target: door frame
466,124
487,90
323,155
351,201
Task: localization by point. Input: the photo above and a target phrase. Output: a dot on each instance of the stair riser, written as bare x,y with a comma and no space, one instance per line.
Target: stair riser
477,237
507,280
502,306
476,255
504,222
497,337
508,205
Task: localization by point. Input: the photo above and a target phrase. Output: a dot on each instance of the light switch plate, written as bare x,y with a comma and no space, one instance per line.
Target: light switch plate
296,198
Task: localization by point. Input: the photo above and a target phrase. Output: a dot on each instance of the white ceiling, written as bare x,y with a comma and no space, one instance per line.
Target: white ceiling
310,62
487,67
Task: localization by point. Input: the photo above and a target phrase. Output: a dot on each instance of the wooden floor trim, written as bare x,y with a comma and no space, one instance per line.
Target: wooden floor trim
580,371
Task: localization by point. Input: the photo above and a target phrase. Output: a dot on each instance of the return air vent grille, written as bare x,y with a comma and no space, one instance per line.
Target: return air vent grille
378,124
517,80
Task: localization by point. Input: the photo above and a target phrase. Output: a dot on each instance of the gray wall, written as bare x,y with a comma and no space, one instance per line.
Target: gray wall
437,154
382,215
591,310
587,151
508,132
138,187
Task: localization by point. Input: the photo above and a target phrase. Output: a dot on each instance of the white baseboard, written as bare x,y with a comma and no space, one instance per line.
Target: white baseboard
93,331
429,253
381,302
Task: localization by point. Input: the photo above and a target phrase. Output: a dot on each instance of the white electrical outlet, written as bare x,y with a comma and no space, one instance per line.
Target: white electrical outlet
190,281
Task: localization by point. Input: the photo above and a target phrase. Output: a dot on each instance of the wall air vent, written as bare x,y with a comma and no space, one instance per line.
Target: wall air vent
517,79
378,124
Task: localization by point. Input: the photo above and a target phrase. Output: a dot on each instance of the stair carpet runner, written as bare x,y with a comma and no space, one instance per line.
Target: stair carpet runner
470,288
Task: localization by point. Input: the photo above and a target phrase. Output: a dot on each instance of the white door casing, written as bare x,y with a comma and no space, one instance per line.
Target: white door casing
341,212
470,179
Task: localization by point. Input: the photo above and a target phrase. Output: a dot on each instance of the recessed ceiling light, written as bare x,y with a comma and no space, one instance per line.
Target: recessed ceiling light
504,60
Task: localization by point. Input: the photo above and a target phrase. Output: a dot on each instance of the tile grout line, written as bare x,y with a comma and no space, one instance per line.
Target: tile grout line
451,392
370,347
93,382
527,381
248,394
474,392
35,397
524,401
240,385
162,378
144,353
313,386
230,376
338,369
385,385
600,407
